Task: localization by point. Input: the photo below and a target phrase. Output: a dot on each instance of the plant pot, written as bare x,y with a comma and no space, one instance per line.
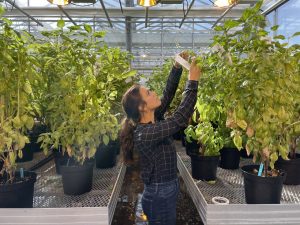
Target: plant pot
191,148
59,160
262,190
204,167
292,169
20,194
77,179
1,165
27,154
230,158
115,144
177,135
183,139
34,146
106,156
243,154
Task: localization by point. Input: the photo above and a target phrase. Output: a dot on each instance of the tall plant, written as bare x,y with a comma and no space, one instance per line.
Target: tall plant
17,73
259,82
81,87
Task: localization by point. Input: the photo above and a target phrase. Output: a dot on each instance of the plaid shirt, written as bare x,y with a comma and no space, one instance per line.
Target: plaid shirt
154,141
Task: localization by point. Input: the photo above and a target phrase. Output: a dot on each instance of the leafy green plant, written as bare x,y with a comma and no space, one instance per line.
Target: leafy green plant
258,81
17,73
82,76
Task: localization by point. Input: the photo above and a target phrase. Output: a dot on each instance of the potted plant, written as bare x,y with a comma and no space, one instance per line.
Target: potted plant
260,84
79,109
292,165
205,161
16,75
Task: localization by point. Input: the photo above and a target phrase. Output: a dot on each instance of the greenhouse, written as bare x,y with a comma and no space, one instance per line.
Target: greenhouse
148,112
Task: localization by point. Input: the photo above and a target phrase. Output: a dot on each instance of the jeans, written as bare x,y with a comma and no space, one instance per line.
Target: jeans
159,202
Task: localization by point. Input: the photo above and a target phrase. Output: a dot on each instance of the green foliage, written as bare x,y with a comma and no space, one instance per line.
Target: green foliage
254,82
211,141
17,74
82,79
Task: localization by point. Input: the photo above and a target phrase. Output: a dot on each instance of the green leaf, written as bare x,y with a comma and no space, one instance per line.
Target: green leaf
281,37
105,139
88,28
229,24
27,87
60,23
237,140
99,34
296,34
274,28
2,10
242,124
218,28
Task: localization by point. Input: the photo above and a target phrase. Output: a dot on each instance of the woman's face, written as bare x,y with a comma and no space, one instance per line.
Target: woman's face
151,99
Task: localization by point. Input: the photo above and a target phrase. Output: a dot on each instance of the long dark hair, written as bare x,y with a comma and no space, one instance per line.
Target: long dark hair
131,102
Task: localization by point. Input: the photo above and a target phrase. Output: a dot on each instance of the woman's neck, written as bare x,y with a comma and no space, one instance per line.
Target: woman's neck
148,117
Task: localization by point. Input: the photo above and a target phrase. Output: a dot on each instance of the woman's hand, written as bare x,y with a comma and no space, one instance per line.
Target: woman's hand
195,71
185,56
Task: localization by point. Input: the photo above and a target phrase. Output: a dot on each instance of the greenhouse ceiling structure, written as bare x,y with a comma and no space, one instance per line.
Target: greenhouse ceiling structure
150,33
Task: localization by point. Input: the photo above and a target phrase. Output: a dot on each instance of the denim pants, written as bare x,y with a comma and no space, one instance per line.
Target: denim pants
159,202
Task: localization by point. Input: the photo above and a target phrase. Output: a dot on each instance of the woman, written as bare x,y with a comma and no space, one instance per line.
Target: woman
146,131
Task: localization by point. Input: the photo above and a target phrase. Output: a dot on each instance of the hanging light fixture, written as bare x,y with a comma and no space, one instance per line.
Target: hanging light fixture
147,3
60,2
223,3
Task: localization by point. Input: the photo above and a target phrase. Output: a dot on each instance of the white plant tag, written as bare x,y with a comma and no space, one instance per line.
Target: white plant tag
182,62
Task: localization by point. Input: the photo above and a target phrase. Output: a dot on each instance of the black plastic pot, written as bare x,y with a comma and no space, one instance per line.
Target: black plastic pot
34,146
292,169
177,135
192,148
27,154
230,158
262,190
1,165
115,144
59,160
106,156
77,179
183,139
243,154
20,194
204,167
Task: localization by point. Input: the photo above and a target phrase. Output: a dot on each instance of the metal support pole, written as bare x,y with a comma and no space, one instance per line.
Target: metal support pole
22,11
223,14
146,18
185,14
67,15
106,14
128,27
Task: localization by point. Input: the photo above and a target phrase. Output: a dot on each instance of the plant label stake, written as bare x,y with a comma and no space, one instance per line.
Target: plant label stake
21,172
182,62
261,167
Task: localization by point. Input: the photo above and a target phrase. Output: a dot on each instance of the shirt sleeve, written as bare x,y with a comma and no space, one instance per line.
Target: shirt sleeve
169,92
151,134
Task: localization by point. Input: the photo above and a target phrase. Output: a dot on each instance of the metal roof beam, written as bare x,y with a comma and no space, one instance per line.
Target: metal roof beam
22,11
67,15
106,13
199,12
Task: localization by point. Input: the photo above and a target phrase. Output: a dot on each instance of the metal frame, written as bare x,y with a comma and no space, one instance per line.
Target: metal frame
236,214
223,14
106,13
67,15
186,13
22,11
